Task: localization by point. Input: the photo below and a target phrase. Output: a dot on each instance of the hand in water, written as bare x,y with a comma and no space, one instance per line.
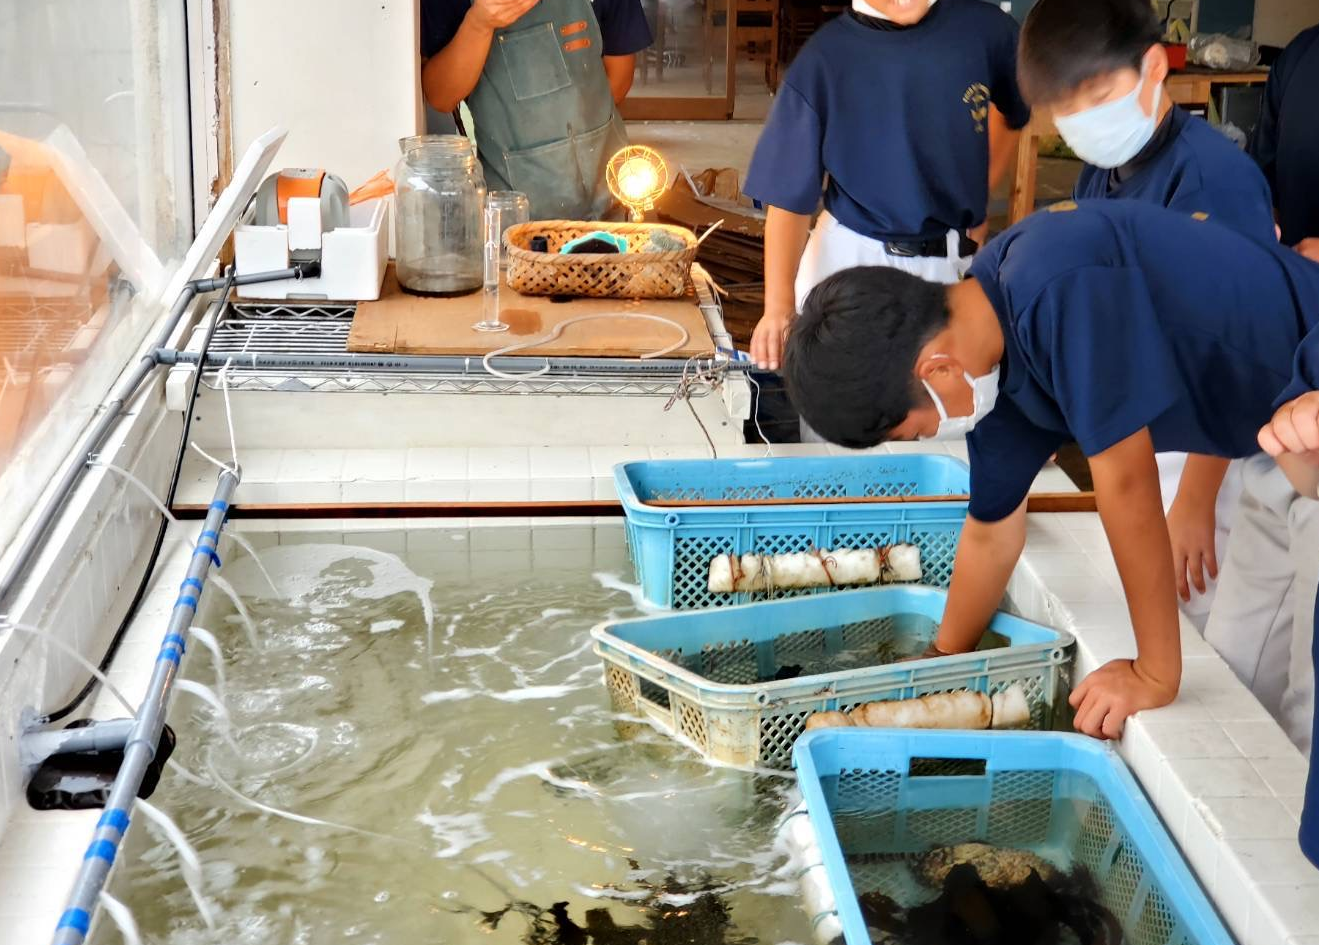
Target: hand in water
1113,692
496,14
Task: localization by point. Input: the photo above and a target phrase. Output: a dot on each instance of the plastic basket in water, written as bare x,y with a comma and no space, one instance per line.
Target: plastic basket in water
698,674
672,546
874,796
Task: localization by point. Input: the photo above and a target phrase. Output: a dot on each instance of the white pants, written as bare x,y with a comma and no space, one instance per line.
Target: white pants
833,248
1229,497
1262,622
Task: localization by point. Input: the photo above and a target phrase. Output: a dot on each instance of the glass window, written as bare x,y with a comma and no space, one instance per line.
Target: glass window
95,203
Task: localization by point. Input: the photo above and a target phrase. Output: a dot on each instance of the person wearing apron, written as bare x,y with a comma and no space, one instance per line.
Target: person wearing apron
541,79
1138,145
896,112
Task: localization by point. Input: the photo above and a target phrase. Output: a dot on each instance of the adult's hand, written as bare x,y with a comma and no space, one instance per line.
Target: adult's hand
496,14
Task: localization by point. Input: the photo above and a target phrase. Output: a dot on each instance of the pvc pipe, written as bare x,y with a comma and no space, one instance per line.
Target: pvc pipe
140,746
402,363
35,536
110,735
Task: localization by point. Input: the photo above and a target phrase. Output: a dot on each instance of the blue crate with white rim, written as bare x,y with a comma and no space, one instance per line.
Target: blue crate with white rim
698,674
875,799
672,546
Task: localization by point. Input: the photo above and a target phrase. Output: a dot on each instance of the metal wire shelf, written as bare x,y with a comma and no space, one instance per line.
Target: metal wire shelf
320,329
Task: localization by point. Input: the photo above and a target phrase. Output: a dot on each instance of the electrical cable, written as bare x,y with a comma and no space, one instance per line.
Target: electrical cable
558,330
117,639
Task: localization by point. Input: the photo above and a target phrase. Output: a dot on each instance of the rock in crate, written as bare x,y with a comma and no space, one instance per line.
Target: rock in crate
738,684
1021,837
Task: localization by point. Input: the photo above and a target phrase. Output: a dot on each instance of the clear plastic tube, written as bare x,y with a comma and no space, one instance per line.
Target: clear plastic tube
493,250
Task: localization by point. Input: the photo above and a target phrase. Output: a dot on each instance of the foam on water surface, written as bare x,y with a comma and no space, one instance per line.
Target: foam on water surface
408,785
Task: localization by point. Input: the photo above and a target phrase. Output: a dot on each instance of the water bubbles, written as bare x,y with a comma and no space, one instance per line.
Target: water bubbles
382,896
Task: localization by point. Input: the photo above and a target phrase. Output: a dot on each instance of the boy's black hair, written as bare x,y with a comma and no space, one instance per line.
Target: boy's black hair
1065,43
849,358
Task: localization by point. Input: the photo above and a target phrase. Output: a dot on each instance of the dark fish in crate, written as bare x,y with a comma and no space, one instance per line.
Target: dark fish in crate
785,672
999,867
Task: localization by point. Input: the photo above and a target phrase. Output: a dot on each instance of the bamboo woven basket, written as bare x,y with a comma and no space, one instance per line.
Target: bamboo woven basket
630,275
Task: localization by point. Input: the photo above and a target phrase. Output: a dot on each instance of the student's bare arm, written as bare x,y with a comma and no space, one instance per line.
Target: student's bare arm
1292,438
1191,523
1002,153
785,241
620,70
986,554
449,76
1002,146
1127,493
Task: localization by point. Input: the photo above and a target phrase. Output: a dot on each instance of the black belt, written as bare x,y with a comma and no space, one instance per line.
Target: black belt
936,246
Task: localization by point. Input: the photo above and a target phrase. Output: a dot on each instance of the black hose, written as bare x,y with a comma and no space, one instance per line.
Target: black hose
121,631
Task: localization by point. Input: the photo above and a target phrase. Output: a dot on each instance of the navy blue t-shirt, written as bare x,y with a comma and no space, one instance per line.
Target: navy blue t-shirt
896,118
1309,834
1119,315
1286,142
1197,168
623,27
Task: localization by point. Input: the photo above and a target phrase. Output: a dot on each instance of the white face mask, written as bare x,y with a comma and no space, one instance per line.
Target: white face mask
1111,134
984,392
865,9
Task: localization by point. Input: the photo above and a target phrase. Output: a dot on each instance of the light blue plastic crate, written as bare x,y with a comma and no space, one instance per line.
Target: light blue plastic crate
672,547
874,796
695,674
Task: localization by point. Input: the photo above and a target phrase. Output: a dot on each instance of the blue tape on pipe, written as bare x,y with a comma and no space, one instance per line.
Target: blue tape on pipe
220,506
192,582
212,535
101,850
175,639
114,817
168,653
75,919
186,600
207,550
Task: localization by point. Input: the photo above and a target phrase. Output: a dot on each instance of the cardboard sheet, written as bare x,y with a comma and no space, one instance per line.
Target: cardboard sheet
400,323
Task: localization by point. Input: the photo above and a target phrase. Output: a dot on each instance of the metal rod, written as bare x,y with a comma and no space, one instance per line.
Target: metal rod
110,735
77,465
444,363
140,747
298,511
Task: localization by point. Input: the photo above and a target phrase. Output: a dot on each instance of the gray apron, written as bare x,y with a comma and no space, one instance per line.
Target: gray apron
545,118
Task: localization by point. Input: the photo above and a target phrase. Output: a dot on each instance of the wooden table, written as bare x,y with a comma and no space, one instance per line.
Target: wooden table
1190,87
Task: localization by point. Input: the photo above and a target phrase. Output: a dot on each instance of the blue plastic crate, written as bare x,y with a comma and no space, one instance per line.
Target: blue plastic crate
696,674
874,797
672,547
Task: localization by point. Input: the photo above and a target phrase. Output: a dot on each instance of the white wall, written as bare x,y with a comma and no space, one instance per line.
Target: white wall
341,75
1278,21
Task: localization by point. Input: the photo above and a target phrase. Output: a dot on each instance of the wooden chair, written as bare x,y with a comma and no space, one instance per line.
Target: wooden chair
656,16
756,34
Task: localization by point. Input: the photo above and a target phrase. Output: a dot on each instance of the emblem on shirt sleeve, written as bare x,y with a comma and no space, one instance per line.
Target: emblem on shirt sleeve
1200,215
1062,206
977,97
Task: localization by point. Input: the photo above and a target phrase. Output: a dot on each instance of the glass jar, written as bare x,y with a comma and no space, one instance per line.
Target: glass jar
514,209
439,193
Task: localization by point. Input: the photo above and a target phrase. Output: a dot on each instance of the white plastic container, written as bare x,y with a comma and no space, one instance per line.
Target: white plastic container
353,258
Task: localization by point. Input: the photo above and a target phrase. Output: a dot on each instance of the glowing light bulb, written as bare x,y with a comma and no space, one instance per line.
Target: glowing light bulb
636,175
637,179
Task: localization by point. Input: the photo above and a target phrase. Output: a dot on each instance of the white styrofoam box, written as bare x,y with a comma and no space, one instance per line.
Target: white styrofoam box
353,257
13,225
